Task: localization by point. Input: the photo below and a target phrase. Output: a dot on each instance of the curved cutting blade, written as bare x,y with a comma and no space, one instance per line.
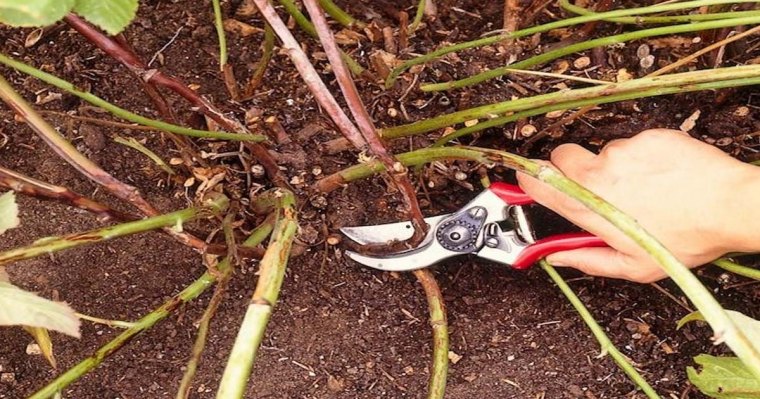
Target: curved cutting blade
427,254
382,233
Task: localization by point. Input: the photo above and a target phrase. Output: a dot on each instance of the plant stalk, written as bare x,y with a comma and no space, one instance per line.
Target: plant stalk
367,128
547,27
40,189
736,268
608,348
54,244
669,19
121,112
271,275
437,309
578,47
681,82
308,27
341,16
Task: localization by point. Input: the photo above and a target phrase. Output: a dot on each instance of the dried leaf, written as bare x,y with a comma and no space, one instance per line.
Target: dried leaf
42,337
19,307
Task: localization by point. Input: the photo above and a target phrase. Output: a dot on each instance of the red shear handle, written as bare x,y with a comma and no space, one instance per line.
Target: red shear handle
560,242
511,194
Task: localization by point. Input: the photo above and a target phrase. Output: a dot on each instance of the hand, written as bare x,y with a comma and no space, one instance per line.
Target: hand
699,202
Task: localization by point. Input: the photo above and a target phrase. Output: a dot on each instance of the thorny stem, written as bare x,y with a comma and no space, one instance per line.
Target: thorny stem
437,309
65,150
604,341
191,292
310,75
578,47
54,244
725,329
121,112
682,82
308,27
397,172
547,27
36,188
271,274
341,16
172,83
736,268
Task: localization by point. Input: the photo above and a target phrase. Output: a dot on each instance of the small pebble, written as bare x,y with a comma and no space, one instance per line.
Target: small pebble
333,239
316,171
392,112
528,130
8,378
581,63
741,112
647,62
258,171
461,176
471,122
643,51
33,349
722,142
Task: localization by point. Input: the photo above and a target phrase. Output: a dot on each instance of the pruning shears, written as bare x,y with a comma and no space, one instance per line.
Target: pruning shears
494,226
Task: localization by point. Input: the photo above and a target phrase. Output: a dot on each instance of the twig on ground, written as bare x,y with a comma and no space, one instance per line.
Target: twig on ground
437,309
511,21
367,128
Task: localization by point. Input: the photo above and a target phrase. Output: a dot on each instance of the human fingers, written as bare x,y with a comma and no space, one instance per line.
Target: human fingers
608,262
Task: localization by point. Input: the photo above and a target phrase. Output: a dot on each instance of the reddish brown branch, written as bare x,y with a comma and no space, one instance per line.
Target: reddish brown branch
396,169
310,76
131,61
36,188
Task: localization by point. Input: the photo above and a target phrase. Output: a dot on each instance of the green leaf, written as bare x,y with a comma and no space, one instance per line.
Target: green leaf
724,378
19,307
693,316
33,12
8,211
111,15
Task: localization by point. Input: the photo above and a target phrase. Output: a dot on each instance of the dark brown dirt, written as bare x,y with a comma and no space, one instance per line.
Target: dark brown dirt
340,330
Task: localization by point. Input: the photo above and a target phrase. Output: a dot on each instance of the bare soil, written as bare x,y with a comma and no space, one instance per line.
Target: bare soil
341,330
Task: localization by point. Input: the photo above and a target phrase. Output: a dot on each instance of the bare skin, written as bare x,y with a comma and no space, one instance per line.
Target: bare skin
698,201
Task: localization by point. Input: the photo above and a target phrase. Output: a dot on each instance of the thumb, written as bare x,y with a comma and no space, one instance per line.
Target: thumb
606,262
